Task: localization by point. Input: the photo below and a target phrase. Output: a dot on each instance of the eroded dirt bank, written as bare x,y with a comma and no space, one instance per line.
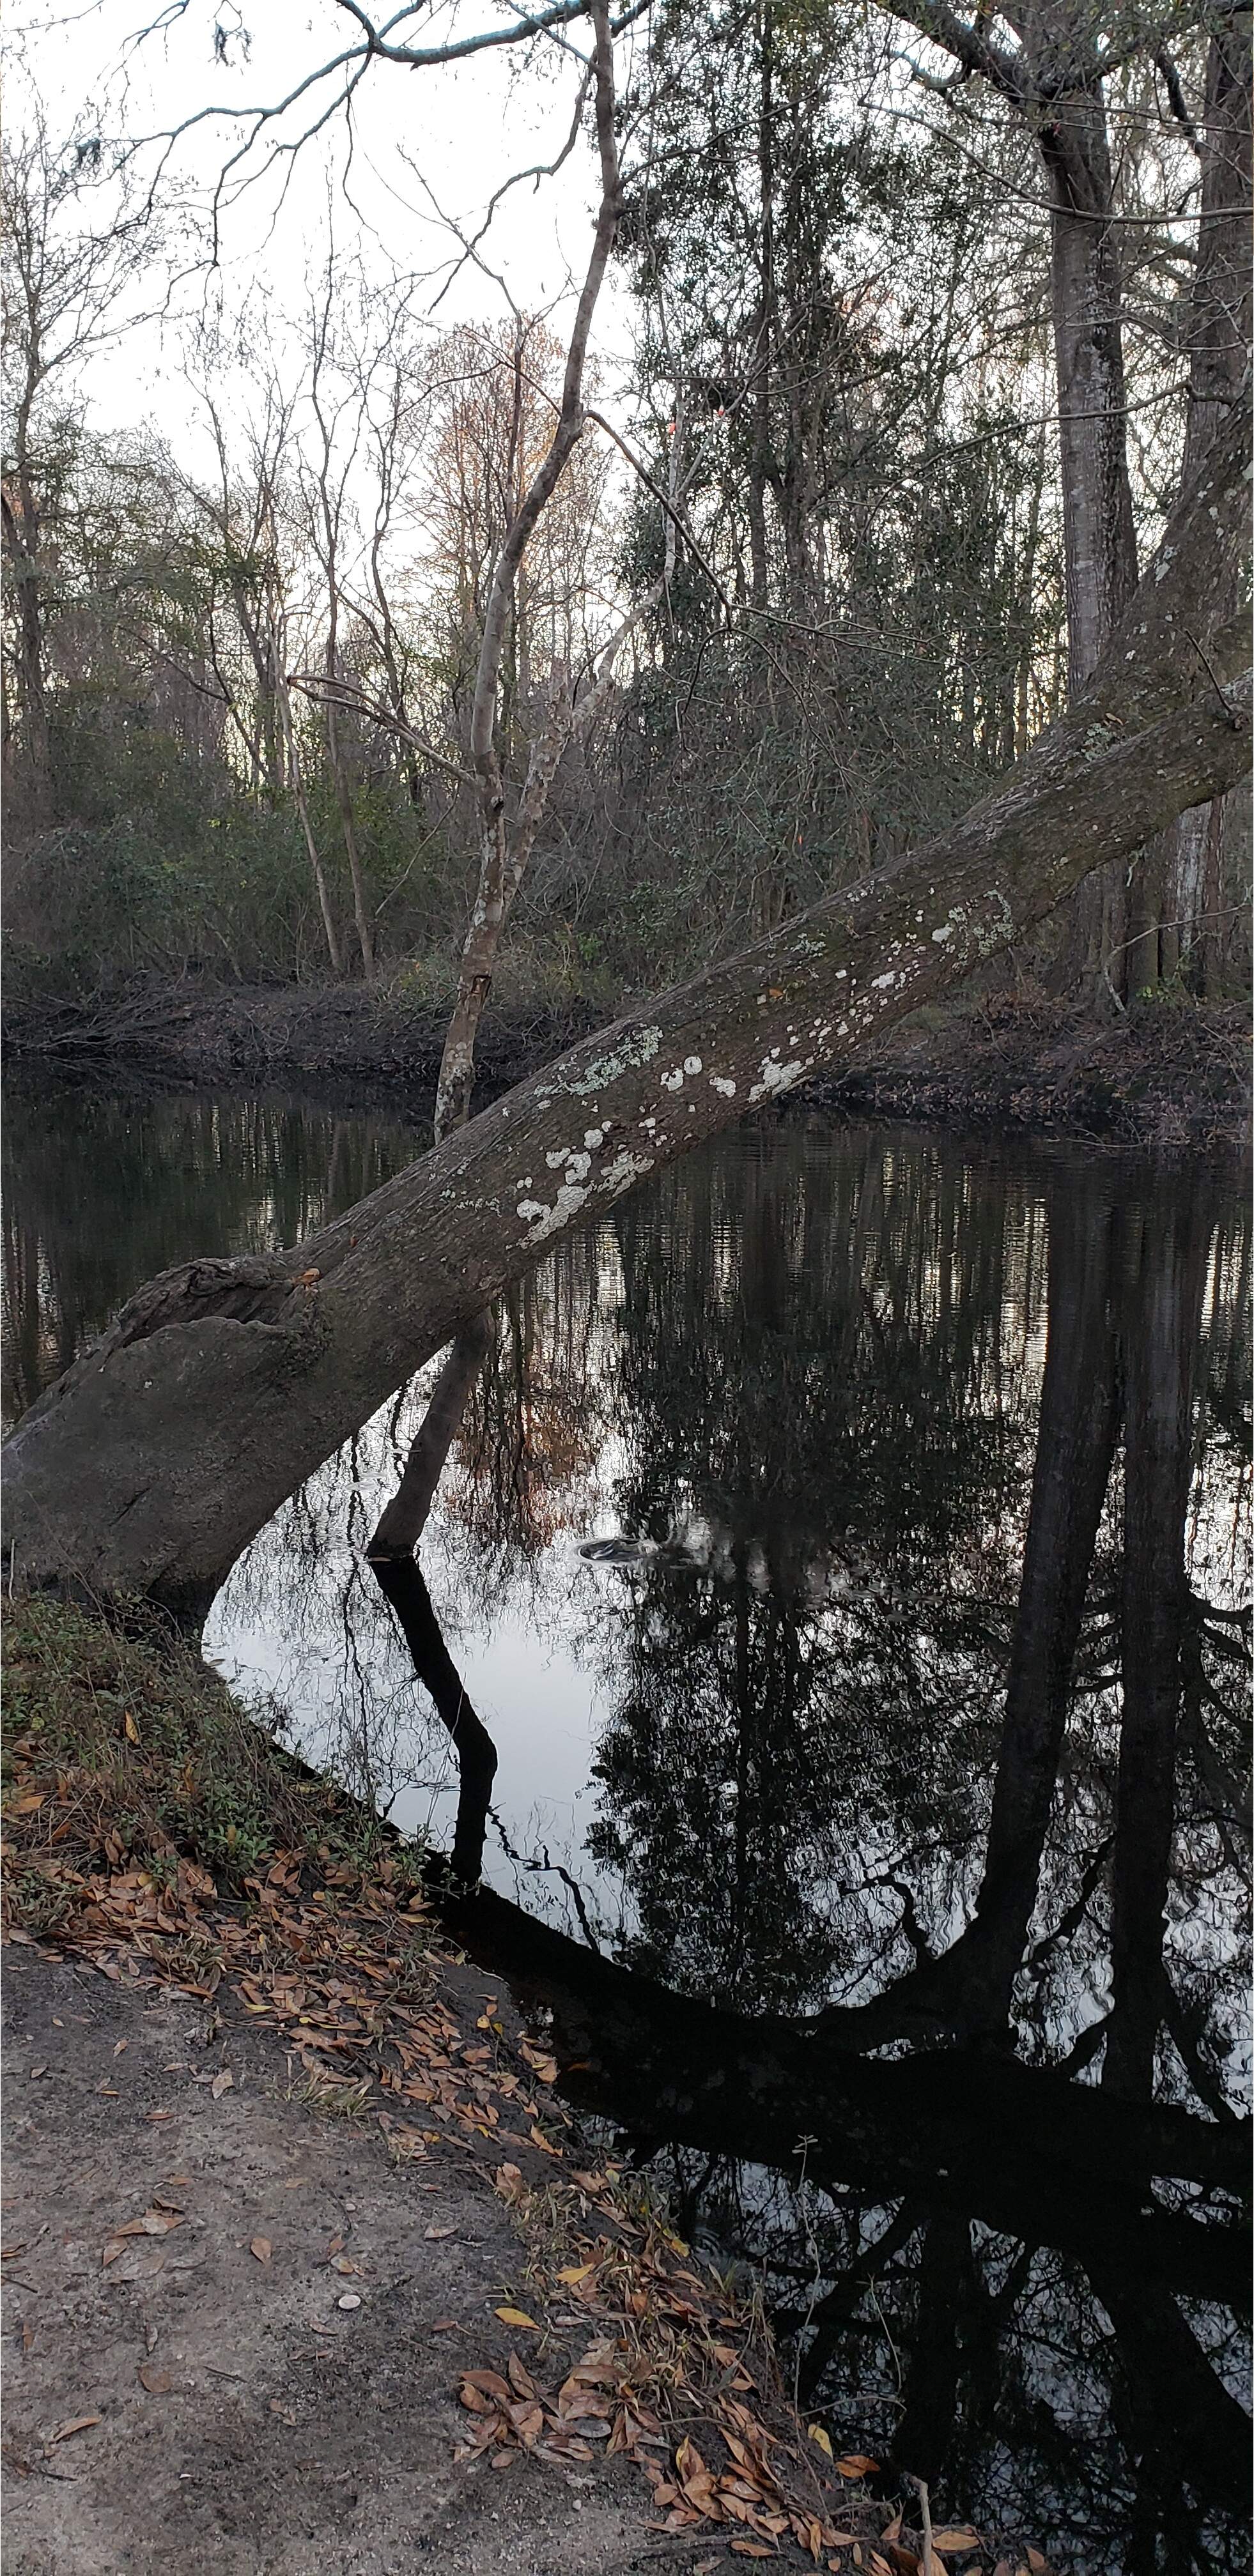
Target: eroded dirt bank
1169,1073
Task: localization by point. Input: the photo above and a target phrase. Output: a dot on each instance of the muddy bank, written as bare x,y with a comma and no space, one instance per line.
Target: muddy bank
1172,1075
205,1032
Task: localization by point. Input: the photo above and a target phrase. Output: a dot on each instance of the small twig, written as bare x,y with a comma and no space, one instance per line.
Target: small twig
1232,713
1121,1007
327,691
874,2299
803,2200
931,2565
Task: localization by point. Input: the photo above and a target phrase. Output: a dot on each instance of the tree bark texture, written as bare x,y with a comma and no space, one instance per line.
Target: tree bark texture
223,1384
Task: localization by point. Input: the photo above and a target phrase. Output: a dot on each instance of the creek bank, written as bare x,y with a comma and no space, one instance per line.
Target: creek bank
1170,1074
287,2178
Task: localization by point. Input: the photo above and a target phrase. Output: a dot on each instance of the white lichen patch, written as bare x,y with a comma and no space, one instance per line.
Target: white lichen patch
692,1064
577,1166
544,1220
673,1081
626,1167
633,1054
945,931
592,1137
777,1077
882,983
721,1082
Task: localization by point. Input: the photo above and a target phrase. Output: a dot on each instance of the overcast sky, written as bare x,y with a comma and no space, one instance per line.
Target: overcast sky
425,144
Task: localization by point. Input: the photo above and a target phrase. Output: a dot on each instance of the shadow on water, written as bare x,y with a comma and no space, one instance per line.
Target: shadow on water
904,1936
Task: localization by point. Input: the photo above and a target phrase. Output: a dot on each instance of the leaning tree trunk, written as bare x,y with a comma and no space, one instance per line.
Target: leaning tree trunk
223,1384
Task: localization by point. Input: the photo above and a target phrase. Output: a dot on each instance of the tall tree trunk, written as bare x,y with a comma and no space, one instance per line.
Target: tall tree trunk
297,776
1099,536
1074,1448
22,536
348,826
405,1517
1218,342
403,1587
224,1384
1164,1320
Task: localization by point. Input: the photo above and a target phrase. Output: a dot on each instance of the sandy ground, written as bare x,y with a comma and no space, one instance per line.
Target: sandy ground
247,2423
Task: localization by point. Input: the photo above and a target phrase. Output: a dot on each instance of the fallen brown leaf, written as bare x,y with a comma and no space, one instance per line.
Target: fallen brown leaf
157,2382
77,2424
263,2249
155,2222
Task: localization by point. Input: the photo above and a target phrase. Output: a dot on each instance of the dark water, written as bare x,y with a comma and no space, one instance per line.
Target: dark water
876,1835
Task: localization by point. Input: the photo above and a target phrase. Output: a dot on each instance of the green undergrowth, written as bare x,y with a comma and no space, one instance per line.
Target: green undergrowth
120,1746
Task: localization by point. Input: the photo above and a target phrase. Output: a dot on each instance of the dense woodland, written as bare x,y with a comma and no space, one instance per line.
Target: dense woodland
925,320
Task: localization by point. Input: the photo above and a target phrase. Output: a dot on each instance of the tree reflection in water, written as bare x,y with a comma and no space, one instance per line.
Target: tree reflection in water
1001,1848
911,1931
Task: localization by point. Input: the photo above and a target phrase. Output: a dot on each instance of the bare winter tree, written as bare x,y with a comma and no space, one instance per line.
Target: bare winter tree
506,842
68,282
335,459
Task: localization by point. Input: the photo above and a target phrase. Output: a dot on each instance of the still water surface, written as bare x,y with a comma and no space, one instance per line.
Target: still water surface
893,1737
